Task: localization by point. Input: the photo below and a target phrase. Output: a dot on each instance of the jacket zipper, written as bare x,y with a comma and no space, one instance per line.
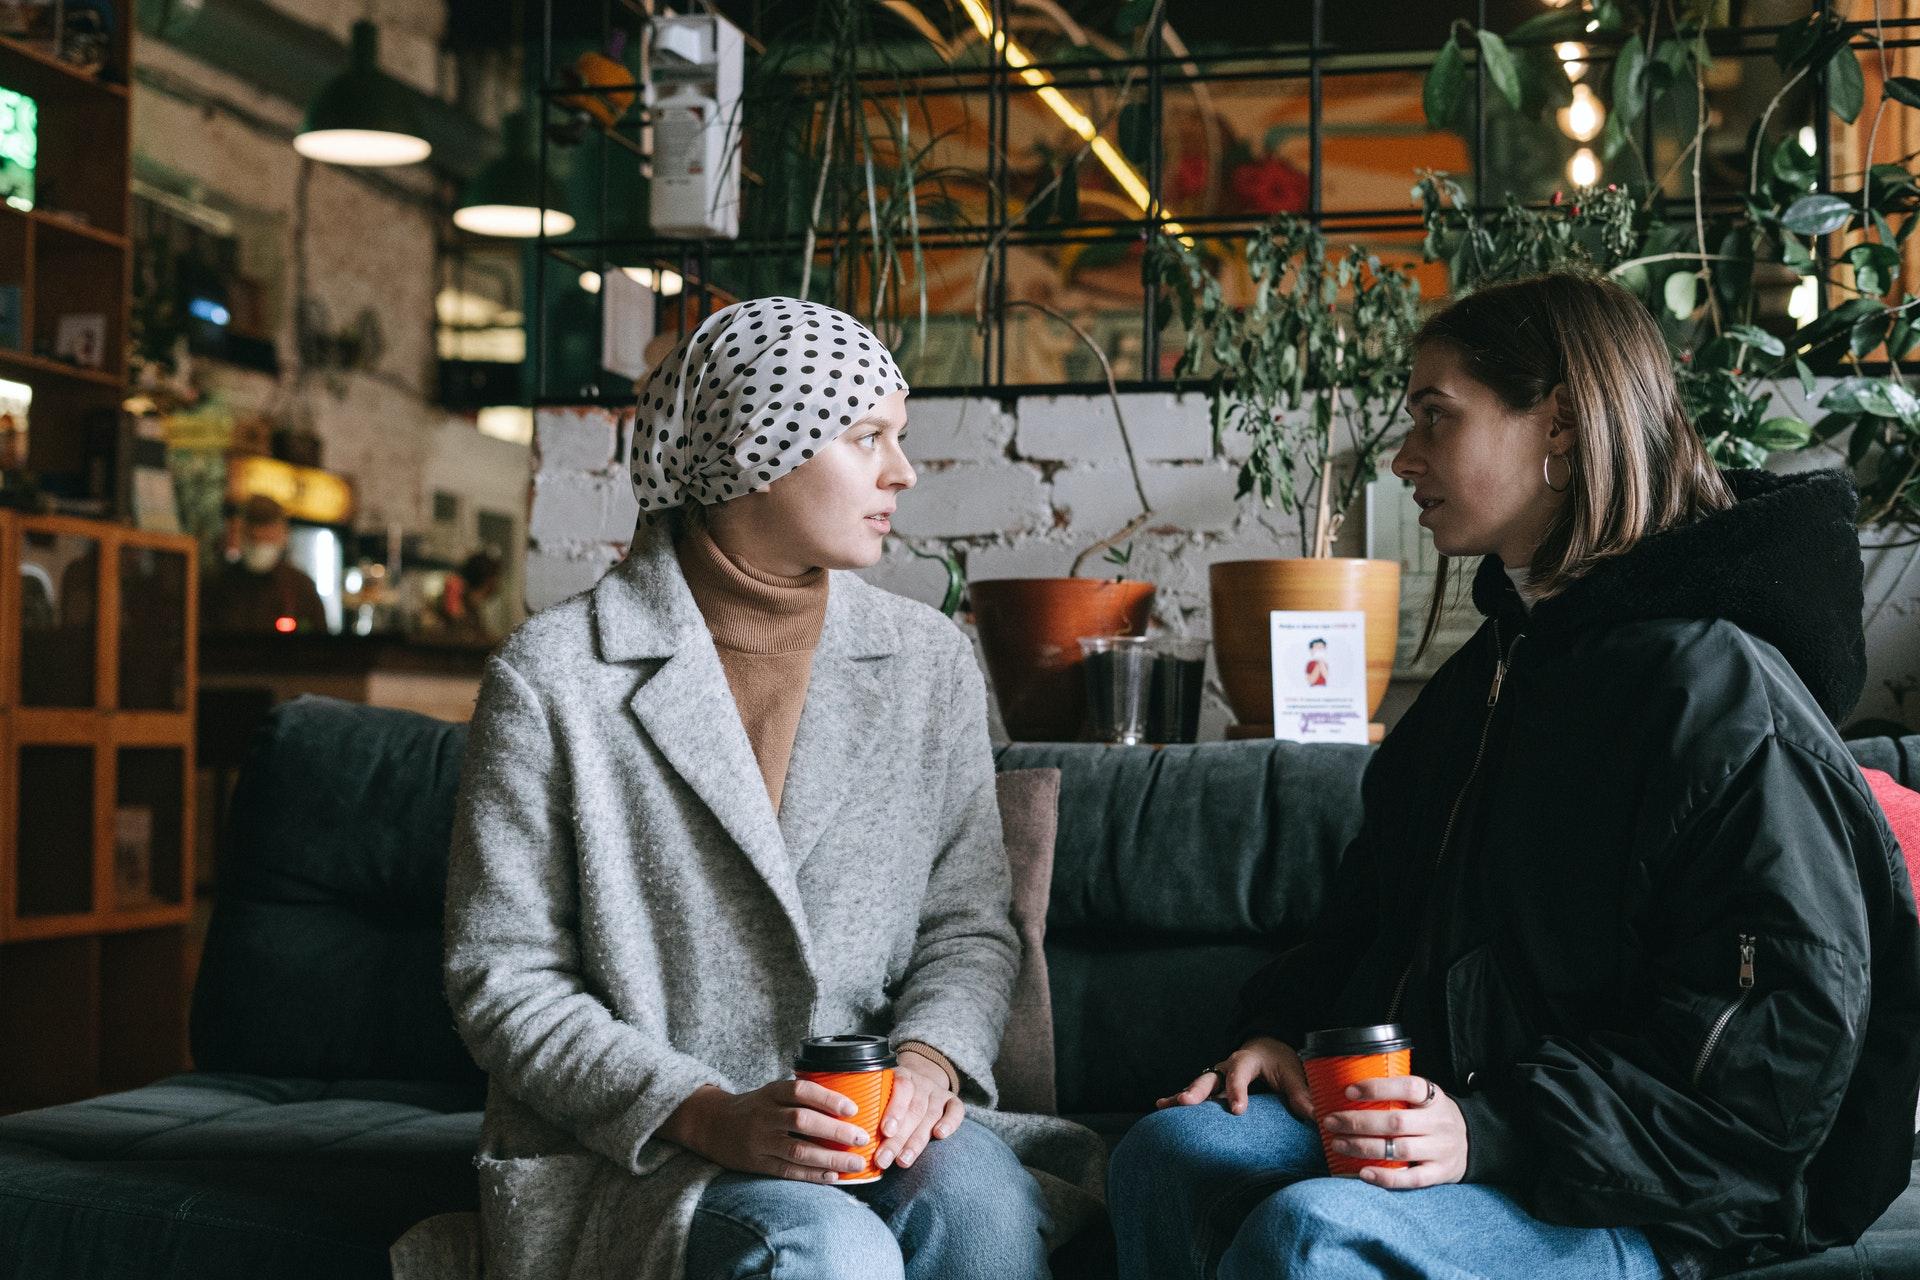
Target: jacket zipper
1747,942
1453,816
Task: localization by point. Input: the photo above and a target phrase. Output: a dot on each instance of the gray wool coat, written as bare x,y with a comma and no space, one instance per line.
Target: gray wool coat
628,919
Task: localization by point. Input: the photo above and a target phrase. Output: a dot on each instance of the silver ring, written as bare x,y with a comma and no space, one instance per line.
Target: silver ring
1431,1090
1391,1154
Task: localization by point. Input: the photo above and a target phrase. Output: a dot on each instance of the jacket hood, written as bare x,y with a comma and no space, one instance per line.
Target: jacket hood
1782,563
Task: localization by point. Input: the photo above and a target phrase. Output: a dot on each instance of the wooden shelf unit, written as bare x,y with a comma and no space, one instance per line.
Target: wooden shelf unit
71,254
97,689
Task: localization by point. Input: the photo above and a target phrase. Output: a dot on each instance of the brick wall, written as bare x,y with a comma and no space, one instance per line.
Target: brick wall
1021,486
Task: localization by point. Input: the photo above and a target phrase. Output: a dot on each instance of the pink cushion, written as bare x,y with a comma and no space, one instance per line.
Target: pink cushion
1029,814
1902,808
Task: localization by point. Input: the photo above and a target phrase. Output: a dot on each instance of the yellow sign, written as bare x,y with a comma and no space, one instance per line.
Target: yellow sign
307,493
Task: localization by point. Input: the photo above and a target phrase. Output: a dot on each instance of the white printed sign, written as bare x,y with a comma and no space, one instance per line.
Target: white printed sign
1319,676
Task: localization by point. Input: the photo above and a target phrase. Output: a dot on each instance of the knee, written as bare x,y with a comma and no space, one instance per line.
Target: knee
842,1240
980,1215
804,1232
1305,1229
1153,1150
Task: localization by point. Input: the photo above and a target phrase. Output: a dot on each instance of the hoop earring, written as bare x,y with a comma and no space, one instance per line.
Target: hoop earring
1546,473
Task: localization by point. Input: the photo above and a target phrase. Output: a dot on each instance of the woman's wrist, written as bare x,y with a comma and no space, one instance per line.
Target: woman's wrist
942,1068
689,1124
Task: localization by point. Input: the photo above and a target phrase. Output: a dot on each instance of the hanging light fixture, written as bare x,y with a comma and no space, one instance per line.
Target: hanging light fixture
503,199
1583,118
362,117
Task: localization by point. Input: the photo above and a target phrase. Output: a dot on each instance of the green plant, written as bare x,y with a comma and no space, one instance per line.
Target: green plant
1323,330
1706,275
854,167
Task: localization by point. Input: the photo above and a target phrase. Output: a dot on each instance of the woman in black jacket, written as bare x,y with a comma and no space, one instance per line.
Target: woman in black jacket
1617,876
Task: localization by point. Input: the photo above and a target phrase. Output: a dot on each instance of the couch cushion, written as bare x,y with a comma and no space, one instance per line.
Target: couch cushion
1227,841
210,1177
1136,1020
1029,816
1898,757
323,956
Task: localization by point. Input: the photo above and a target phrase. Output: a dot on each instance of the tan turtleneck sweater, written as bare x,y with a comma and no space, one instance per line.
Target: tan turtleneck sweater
765,628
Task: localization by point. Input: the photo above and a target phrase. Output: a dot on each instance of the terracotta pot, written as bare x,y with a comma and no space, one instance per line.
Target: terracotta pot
1246,591
1030,630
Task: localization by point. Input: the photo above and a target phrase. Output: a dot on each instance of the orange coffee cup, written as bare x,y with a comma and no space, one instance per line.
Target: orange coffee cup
861,1068
1342,1057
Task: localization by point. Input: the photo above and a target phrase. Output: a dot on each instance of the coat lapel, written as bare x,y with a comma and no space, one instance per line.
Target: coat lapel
644,610
844,715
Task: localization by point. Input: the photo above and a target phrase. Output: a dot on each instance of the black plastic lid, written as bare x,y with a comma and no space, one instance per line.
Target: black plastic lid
1348,1042
844,1053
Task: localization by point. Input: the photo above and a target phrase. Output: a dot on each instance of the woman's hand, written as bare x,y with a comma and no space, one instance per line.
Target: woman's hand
922,1108
1262,1058
1430,1134
773,1130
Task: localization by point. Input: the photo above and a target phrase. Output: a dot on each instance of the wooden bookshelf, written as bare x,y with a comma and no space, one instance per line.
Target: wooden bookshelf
97,686
69,255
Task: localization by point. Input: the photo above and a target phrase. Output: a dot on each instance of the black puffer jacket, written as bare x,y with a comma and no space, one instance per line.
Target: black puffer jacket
1627,888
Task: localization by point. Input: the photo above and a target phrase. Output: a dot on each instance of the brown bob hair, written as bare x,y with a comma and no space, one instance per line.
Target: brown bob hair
1638,466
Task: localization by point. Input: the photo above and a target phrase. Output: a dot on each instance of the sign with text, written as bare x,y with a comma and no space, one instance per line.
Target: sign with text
1319,675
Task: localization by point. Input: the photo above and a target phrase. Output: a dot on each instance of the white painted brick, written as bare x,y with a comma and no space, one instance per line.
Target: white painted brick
959,428
574,508
1164,427
1100,499
553,575
1253,541
623,510
905,575
1049,557
575,439
975,499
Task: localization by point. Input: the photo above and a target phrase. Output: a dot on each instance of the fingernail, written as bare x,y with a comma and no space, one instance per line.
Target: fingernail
832,1176
1353,1091
848,1109
907,1158
859,1139
884,1159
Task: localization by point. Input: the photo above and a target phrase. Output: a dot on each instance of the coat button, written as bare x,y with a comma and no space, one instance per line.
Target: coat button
1471,1077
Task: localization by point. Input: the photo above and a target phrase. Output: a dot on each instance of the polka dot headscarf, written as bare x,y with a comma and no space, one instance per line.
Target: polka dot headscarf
754,392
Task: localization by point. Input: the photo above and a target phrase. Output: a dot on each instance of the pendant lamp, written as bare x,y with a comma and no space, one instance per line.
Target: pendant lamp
362,117
503,199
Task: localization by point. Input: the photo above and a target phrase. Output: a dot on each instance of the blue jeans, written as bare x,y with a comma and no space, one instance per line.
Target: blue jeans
1192,1189
965,1210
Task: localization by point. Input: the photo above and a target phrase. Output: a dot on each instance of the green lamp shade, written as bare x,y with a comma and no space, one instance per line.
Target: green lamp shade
503,199
362,117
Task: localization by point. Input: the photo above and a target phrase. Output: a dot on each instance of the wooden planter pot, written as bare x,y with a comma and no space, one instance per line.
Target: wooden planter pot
1246,591
1030,630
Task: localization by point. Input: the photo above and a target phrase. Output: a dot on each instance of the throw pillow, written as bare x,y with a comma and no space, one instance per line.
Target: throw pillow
1029,814
1902,810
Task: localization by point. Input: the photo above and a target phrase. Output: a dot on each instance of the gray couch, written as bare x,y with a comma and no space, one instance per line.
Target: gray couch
333,1106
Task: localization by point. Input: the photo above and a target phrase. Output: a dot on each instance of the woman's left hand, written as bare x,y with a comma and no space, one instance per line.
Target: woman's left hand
1431,1135
923,1108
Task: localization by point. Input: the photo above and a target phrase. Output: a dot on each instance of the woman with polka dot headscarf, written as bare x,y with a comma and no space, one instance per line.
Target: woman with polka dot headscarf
731,798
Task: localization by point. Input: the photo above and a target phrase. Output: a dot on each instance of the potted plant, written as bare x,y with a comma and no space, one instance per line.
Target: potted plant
1711,276
1030,628
1312,370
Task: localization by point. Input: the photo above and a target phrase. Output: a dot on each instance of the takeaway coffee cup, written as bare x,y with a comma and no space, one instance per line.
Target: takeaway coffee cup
1342,1057
861,1067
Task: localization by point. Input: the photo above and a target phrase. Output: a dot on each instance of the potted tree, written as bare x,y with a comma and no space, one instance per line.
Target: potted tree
1030,628
1311,369
1750,373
